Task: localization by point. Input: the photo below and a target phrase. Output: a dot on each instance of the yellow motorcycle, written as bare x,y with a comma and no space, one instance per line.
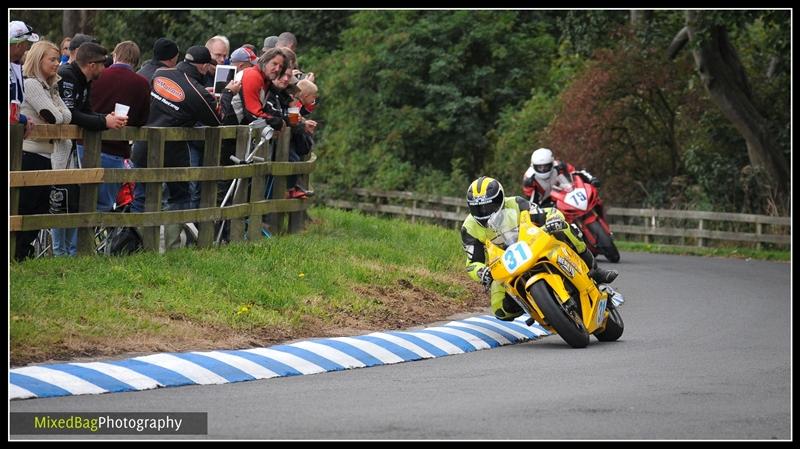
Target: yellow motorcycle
552,284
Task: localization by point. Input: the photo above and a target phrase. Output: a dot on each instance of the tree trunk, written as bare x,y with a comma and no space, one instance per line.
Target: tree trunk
640,18
69,22
78,21
726,82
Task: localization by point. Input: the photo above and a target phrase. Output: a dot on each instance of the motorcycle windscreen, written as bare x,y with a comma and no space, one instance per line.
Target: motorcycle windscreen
505,223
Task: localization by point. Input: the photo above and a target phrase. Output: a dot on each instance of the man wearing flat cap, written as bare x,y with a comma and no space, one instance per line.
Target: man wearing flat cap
165,55
178,99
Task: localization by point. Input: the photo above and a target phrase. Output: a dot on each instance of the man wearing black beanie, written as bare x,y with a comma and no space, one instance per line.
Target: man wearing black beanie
165,54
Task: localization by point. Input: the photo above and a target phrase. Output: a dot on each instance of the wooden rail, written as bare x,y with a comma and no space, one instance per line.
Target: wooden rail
90,177
666,225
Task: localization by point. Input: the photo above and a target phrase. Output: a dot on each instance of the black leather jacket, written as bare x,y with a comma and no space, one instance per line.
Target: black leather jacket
74,89
179,100
149,68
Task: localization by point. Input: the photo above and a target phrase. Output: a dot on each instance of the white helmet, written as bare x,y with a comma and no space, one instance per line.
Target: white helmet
542,163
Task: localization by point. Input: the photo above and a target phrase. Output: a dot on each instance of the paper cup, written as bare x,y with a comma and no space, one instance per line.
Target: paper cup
121,110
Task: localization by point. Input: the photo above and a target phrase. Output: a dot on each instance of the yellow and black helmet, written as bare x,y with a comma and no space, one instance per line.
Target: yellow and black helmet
484,197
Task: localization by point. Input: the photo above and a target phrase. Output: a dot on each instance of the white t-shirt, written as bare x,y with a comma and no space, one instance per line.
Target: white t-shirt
15,82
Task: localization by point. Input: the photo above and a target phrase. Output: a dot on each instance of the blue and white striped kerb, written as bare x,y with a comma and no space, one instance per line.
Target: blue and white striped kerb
305,357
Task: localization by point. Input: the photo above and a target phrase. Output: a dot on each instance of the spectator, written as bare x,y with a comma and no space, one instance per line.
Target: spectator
302,139
269,43
296,73
42,105
251,47
249,103
165,55
178,100
307,96
277,104
75,89
120,84
19,38
288,40
65,50
76,41
278,98
243,58
219,47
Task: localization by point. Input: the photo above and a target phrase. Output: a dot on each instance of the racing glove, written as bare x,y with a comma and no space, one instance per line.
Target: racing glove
485,276
555,225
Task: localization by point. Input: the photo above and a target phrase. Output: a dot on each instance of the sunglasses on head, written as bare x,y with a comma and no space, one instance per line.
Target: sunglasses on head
26,33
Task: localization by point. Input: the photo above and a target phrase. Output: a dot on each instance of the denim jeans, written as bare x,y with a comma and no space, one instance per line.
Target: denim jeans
107,193
65,241
195,160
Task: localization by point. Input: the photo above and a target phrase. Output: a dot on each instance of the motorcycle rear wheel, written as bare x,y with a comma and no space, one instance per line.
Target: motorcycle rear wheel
604,243
614,325
574,333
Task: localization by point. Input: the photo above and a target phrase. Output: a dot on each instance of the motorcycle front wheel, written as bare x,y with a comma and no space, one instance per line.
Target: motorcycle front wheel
604,243
614,325
568,327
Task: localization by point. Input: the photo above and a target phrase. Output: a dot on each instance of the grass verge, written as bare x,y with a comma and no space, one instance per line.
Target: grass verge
346,274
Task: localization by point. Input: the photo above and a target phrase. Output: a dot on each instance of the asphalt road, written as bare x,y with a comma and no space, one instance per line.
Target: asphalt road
706,354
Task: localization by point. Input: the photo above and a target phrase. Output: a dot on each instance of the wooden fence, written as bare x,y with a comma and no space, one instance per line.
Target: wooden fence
672,227
90,176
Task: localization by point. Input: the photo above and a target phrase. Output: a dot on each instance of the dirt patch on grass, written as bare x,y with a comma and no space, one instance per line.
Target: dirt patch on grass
405,304
399,306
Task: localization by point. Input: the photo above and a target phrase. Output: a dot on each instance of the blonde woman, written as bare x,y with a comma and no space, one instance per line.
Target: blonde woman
43,105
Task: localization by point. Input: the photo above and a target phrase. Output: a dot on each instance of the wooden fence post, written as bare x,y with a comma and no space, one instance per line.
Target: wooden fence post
276,219
15,164
254,226
92,144
700,228
759,231
236,231
297,220
151,235
208,189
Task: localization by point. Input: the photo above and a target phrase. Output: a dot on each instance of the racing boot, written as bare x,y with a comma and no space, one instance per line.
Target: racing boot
599,275
503,306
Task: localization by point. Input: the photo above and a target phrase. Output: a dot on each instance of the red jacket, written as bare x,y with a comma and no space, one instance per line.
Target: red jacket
531,184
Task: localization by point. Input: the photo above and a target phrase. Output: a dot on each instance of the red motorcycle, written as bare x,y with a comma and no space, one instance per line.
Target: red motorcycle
580,203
